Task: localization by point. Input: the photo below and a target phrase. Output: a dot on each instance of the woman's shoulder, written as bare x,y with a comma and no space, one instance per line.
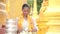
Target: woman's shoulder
33,18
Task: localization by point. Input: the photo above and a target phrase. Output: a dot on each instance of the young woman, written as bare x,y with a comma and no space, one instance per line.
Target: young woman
26,23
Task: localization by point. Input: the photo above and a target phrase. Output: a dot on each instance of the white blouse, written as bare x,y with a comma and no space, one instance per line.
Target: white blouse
25,25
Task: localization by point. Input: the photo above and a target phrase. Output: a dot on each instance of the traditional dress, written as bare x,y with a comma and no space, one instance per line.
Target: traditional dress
27,24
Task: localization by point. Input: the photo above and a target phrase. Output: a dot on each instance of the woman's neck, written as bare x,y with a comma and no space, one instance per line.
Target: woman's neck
25,17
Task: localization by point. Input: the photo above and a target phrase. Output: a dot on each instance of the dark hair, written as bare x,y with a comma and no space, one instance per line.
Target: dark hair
25,5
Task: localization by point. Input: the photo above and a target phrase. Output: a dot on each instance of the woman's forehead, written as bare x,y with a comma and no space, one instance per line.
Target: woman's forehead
26,8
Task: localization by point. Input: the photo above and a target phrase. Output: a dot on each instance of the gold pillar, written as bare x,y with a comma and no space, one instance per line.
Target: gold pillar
3,14
42,19
54,6
44,7
53,15
53,10
31,10
7,7
24,1
13,8
35,9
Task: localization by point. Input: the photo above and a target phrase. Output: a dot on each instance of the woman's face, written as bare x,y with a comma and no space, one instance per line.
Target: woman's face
26,11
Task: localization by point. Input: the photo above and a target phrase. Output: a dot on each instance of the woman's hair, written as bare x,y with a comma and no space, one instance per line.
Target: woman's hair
25,5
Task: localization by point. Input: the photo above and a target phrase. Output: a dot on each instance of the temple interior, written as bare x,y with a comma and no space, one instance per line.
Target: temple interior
48,19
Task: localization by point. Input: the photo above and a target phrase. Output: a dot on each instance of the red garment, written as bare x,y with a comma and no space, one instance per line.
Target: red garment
2,30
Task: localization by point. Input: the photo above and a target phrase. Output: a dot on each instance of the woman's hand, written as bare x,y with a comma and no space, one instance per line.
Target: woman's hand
34,30
20,30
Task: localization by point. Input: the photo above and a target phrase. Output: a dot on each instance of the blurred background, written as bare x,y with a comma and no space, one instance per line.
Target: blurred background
46,12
